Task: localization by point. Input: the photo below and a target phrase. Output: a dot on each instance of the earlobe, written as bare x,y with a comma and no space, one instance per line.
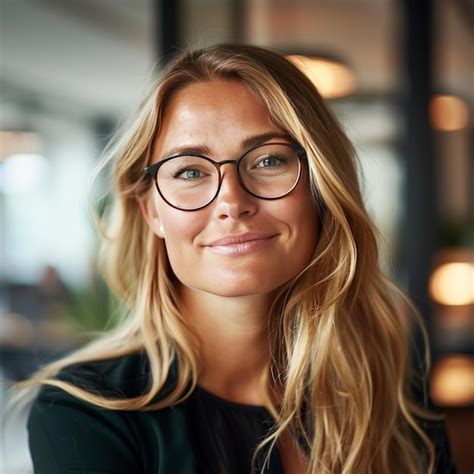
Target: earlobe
151,215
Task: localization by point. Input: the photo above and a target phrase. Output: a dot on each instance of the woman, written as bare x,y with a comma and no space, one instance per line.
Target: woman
261,335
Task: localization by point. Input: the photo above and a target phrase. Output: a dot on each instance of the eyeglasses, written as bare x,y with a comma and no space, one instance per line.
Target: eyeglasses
190,182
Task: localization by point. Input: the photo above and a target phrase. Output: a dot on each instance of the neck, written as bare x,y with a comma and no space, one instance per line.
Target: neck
233,332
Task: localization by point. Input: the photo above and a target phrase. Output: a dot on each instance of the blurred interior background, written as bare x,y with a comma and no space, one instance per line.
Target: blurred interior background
398,74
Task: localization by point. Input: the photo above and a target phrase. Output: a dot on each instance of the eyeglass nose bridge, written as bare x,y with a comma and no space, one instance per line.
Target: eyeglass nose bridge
219,164
225,162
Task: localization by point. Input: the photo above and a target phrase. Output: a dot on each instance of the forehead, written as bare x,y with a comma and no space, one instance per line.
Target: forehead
216,113
218,95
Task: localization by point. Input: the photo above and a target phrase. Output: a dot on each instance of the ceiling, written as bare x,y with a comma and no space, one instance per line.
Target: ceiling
94,57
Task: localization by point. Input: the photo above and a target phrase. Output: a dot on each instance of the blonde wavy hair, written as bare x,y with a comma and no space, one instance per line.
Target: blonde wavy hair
339,332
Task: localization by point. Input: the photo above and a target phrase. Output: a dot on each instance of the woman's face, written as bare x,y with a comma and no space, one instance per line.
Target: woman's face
216,118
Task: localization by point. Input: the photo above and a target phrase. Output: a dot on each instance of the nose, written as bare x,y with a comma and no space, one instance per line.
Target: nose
233,201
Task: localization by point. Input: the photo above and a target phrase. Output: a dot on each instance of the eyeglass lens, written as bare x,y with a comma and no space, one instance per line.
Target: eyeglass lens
190,182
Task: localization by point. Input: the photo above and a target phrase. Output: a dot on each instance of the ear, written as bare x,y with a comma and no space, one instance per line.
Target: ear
149,210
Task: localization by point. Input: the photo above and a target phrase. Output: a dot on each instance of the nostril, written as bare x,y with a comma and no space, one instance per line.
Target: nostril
233,214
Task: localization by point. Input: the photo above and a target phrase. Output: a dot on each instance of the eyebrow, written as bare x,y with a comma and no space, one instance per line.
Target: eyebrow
246,143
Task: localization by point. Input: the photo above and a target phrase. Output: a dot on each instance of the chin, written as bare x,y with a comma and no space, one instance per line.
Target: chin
236,287
234,292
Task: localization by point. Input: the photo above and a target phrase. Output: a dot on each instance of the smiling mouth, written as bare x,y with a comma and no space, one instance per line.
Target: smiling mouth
240,245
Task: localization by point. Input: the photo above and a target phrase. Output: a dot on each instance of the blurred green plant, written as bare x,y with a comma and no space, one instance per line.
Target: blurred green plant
93,309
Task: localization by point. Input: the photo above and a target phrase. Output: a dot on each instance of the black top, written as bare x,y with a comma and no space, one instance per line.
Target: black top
205,434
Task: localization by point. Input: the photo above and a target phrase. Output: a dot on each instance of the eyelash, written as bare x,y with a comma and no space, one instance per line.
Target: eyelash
177,174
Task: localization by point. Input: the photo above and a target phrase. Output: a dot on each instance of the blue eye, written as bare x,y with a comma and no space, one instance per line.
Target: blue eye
271,161
188,174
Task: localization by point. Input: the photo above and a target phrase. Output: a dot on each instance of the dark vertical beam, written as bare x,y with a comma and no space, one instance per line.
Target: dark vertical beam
421,203
470,240
167,26
237,12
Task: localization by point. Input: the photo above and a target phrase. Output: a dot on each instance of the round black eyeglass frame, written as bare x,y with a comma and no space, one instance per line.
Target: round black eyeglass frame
152,171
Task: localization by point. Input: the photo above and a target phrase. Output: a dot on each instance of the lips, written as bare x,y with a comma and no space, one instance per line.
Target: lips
239,239
240,245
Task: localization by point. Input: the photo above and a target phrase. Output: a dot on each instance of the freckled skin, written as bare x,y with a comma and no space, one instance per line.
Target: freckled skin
220,114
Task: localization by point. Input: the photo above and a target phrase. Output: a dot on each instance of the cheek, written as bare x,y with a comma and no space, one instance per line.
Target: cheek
303,224
180,229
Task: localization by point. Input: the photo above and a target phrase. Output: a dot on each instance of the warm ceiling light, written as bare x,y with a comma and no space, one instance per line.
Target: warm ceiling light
18,143
452,381
448,113
453,283
332,78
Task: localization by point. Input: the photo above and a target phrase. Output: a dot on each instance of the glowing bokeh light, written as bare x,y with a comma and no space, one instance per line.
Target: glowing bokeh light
19,143
22,173
448,113
332,79
453,284
452,381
